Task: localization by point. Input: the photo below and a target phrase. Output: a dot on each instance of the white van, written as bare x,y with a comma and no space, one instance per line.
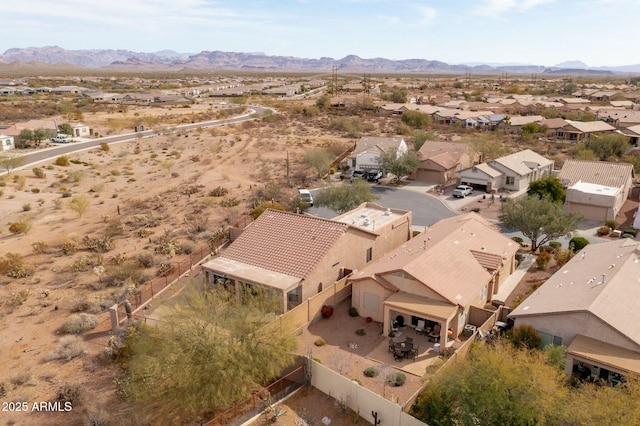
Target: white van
305,195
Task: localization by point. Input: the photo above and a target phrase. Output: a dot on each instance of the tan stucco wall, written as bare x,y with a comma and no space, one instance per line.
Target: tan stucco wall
411,286
567,326
358,290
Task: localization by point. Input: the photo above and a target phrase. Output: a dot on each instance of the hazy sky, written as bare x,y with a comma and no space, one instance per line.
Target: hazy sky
541,32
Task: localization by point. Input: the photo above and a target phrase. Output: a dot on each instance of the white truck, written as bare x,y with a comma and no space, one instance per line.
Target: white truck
61,139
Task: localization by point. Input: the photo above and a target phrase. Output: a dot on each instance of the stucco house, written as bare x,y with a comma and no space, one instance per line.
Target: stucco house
368,149
575,131
591,306
440,161
295,256
596,189
438,276
6,143
512,172
81,130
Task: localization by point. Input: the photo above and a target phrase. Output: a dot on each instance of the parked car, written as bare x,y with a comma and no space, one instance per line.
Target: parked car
61,139
374,176
305,195
357,174
462,191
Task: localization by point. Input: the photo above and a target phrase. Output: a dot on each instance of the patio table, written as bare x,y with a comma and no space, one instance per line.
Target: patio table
403,347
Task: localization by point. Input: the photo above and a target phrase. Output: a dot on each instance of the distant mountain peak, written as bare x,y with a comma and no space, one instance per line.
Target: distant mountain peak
572,65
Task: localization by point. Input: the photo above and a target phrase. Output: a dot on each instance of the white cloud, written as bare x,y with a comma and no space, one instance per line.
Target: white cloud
496,8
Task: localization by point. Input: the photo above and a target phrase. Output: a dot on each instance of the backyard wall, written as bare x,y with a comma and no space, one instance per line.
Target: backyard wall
360,399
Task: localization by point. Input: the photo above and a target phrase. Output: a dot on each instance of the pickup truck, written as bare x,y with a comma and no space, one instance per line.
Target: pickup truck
61,139
462,191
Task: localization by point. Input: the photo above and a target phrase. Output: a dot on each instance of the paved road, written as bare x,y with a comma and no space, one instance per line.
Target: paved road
426,209
48,153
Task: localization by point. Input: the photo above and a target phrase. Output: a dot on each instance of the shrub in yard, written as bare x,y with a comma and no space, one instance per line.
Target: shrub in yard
70,347
79,323
353,312
626,235
397,379
62,161
320,342
555,245
543,259
526,336
578,243
39,173
371,372
20,227
361,332
104,146
518,240
632,231
611,223
603,231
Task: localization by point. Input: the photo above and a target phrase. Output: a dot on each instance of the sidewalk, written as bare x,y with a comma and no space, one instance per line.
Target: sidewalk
507,287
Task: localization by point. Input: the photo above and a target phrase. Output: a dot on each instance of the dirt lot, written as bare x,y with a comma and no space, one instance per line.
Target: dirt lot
152,197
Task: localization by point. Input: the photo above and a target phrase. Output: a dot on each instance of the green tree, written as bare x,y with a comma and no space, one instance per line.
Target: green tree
342,198
40,134
10,161
608,146
212,349
323,102
494,385
582,152
550,186
416,119
420,137
318,159
399,165
398,96
487,147
539,219
79,204
26,136
66,129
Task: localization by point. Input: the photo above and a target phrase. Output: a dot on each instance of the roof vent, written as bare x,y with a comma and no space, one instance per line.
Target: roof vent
387,212
366,222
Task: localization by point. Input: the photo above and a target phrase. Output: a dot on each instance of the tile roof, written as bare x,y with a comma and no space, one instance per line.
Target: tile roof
604,353
287,243
602,279
554,123
434,150
522,162
442,258
596,172
521,120
591,126
376,144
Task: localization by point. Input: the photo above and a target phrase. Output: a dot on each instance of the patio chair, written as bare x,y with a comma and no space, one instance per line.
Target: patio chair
409,340
413,354
391,347
398,355
420,327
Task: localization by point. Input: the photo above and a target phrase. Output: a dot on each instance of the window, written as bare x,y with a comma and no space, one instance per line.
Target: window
369,254
510,180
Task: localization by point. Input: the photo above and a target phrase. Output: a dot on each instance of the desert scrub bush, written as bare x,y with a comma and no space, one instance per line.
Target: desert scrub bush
10,261
82,264
145,260
70,393
104,147
35,190
26,207
18,298
22,226
397,379
62,161
603,231
218,191
70,347
164,269
611,223
98,244
128,273
79,323
88,306
21,378
361,332
371,372
353,311
166,246
20,181
320,342
69,247
39,247
115,227
115,172
230,202
39,173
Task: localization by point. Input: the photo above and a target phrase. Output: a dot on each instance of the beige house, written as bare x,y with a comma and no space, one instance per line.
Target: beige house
295,256
6,143
456,265
596,189
580,130
512,172
369,148
441,161
591,306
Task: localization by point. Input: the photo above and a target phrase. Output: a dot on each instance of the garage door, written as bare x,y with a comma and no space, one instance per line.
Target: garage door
429,176
477,186
589,212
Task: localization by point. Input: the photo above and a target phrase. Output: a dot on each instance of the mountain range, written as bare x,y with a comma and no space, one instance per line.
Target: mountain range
54,56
